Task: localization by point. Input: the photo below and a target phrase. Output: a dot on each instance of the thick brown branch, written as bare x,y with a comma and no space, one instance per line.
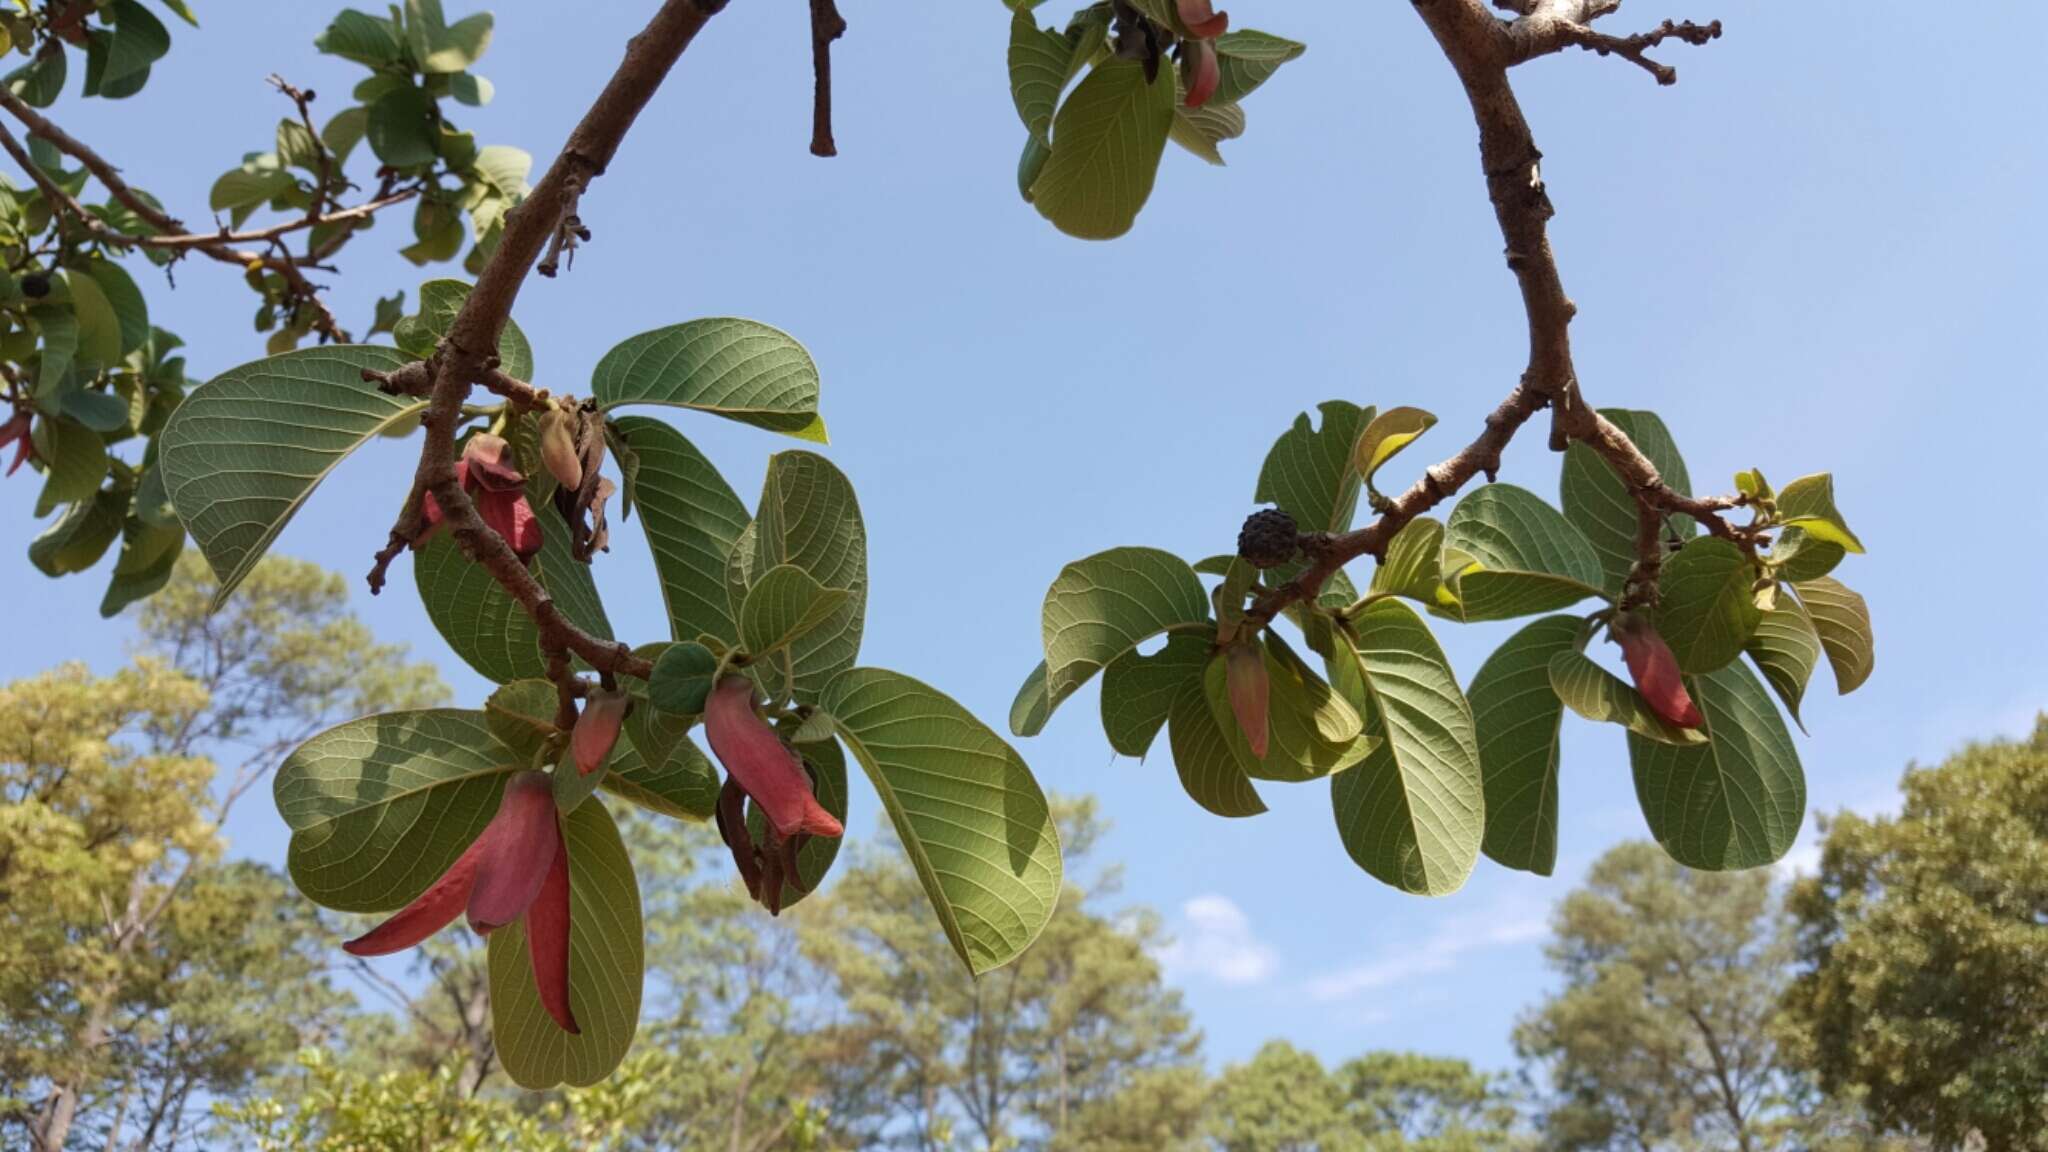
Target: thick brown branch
827,25
467,355
1482,48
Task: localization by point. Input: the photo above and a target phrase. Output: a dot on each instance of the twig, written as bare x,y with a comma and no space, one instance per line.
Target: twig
827,25
569,232
1632,48
1482,48
467,354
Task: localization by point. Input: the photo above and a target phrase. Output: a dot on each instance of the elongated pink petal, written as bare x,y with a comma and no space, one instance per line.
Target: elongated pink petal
547,942
490,465
597,729
1655,671
435,909
1202,20
519,847
732,827
1202,84
766,767
511,517
1250,688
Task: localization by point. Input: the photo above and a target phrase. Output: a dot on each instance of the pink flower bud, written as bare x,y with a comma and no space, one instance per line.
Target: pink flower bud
1655,671
547,943
1245,675
597,729
558,448
772,775
1203,22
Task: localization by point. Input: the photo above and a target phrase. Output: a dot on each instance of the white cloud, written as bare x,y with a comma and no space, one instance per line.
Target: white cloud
1215,940
1435,953
1802,860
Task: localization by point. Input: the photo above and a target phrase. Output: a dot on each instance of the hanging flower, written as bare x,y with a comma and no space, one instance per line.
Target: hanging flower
1245,676
1202,20
16,432
1655,670
1203,73
597,729
498,490
518,867
760,767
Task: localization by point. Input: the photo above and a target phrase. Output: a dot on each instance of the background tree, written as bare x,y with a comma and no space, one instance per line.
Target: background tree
1661,1036
131,954
1923,949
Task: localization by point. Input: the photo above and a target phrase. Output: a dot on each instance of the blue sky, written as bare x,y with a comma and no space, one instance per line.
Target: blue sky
1821,250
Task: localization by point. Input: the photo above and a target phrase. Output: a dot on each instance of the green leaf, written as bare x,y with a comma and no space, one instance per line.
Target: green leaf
1308,472
1785,648
255,183
606,968
140,39
1797,556
1248,58
296,147
1707,604
1107,604
571,787
404,129
1842,621
149,552
131,312
657,765
1389,432
808,517
1808,503
1203,130
480,620
40,81
1598,504
58,326
1736,801
440,301
344,131
1602,697
76,467
1414,565
1313,731
99,411
380,807
692,519
1209,769
521,716
471,89
1524,556
740,369
971,818
784,605
80,537
246,448
1138,691
99,328
361,38
1517,717
505,169
1106,143
460,45
1038,71
1412,813
1032,706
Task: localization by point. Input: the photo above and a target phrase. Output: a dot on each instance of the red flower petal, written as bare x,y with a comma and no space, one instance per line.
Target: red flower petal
547,942
1202,20
17,431
1206,74
510,516
1245,669
434,910
1655,671
597,730
490,464
762,763
519,846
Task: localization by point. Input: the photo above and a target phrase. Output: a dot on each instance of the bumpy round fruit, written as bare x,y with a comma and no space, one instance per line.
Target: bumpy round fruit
1268,538
35,285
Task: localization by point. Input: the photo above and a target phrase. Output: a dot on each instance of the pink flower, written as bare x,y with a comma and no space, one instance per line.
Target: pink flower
1655,671
518,867
15,432
770,773
1202,20
1206,75
499,491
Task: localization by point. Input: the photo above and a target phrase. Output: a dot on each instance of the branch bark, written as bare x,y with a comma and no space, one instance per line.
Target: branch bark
1482,48
467,355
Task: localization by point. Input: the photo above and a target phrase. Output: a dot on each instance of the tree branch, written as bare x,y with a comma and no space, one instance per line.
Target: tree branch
1481,48
468,354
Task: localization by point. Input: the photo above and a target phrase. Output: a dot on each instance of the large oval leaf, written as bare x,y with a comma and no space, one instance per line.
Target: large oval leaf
1842,620
971,818
808,518
1598,504
379,807
246,448
480,620
440,301
606,967
1517,718
1412,813
691,517
1785,648
1736,801
1514,555
739,369
1107,604
1138,691
1706,608
1210,772
1106,144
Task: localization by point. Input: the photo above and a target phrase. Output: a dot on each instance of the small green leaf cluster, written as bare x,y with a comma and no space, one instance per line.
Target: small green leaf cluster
1425,775
89,380
382,806
1091,154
